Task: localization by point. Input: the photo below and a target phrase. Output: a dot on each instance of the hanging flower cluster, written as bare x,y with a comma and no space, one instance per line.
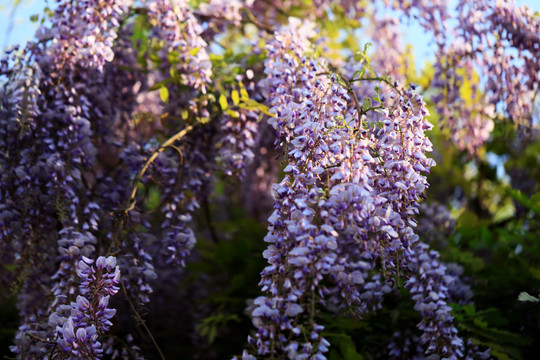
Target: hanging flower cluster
82,33
176,26
89,314
504,52
348,197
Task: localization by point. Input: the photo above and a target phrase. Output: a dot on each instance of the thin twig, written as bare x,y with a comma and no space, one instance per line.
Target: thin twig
257,23
209,221
365,111
141,320
40,339
381,79
356,102
279,9
167,144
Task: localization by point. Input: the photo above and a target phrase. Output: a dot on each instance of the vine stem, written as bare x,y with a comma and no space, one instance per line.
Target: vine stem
168,143
141,320
350,90
356,102
382,79
48,342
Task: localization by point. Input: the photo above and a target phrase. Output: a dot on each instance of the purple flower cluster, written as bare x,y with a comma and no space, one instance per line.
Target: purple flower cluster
50,197
386,35
429,288
89,315
182,193
512,79
138,266
229,11
495,45
491,53
405,345
236,144
468,120
238,137
79,313
72,246
46,145
292,279
436,224
176,26
350,191
73,149
433,15
19,116
82,32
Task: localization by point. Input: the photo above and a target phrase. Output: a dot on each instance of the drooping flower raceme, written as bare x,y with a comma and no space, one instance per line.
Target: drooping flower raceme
300,251
179,30
508,27
239,135
83,32
89,315
493,54
348,197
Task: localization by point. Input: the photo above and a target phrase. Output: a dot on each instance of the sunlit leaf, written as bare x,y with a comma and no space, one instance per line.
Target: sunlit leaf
235,97
164,94
223,102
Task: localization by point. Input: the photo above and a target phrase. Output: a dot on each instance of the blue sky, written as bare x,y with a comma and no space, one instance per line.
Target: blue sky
15,24
16,27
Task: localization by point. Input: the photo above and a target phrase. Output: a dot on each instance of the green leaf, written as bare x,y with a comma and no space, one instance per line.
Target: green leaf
367,46
526,297
139,35
346,345
209,326
160,84
216,57
164,94
500,352
535,273
496,335
358,74
243,92
366,103
154,198
468,221
34,18
223,102
10,267
500,355
235,97
212,334
254,105
532,203
232,113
